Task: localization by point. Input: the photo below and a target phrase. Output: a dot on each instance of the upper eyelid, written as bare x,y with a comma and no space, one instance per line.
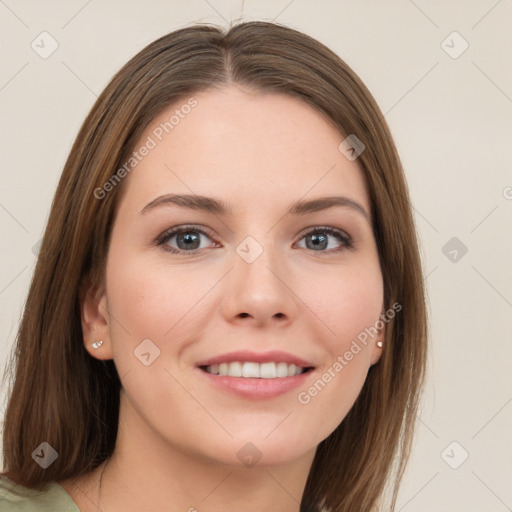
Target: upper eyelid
177,229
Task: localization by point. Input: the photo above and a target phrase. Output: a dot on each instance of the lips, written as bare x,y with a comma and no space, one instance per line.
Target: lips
255,376
255,388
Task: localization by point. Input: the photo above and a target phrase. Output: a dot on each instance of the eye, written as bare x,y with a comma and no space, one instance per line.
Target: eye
187,238
318,239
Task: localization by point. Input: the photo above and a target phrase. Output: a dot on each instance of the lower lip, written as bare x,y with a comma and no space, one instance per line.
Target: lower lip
256,388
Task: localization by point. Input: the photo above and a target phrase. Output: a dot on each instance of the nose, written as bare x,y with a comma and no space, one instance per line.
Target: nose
259,291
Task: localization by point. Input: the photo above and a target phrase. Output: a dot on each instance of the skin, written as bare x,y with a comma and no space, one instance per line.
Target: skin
179,436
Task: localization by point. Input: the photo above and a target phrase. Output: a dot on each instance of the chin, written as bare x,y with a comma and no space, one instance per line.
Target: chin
260,452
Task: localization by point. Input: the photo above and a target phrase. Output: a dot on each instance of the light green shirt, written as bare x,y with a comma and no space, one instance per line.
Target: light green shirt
16,498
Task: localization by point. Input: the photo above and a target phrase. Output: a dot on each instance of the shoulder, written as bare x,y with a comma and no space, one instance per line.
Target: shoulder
52,498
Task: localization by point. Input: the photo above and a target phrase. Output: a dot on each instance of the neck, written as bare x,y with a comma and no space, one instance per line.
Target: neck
192,487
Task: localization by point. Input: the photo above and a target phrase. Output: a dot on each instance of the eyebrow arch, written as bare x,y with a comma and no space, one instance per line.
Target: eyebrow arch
211,205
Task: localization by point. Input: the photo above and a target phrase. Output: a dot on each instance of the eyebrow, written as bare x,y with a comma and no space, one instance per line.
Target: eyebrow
214,206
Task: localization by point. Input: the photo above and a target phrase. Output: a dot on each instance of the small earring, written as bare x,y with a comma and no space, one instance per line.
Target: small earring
97,344
379,344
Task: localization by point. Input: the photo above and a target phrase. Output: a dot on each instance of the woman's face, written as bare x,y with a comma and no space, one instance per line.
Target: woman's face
250,277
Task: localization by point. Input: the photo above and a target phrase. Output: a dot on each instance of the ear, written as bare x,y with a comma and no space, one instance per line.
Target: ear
95,319
380,337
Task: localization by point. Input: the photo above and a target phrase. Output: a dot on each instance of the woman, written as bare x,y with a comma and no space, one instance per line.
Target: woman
228,310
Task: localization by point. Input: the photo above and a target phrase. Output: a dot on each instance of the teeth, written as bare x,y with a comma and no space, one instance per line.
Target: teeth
249,369
234,370
282,370
268,371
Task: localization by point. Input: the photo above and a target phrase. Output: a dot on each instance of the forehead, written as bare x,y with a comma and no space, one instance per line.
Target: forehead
265,148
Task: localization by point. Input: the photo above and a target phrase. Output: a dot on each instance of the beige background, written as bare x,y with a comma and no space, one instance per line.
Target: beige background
451,119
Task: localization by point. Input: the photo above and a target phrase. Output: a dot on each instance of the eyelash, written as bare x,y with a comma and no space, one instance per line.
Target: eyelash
338,234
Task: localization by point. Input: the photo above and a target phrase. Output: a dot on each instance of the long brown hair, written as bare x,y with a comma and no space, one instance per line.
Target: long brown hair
61,395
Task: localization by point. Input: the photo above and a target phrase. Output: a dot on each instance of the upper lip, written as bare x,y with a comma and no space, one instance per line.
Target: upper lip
276,356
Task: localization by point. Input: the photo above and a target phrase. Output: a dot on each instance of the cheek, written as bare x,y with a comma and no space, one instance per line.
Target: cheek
347,303
152,300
